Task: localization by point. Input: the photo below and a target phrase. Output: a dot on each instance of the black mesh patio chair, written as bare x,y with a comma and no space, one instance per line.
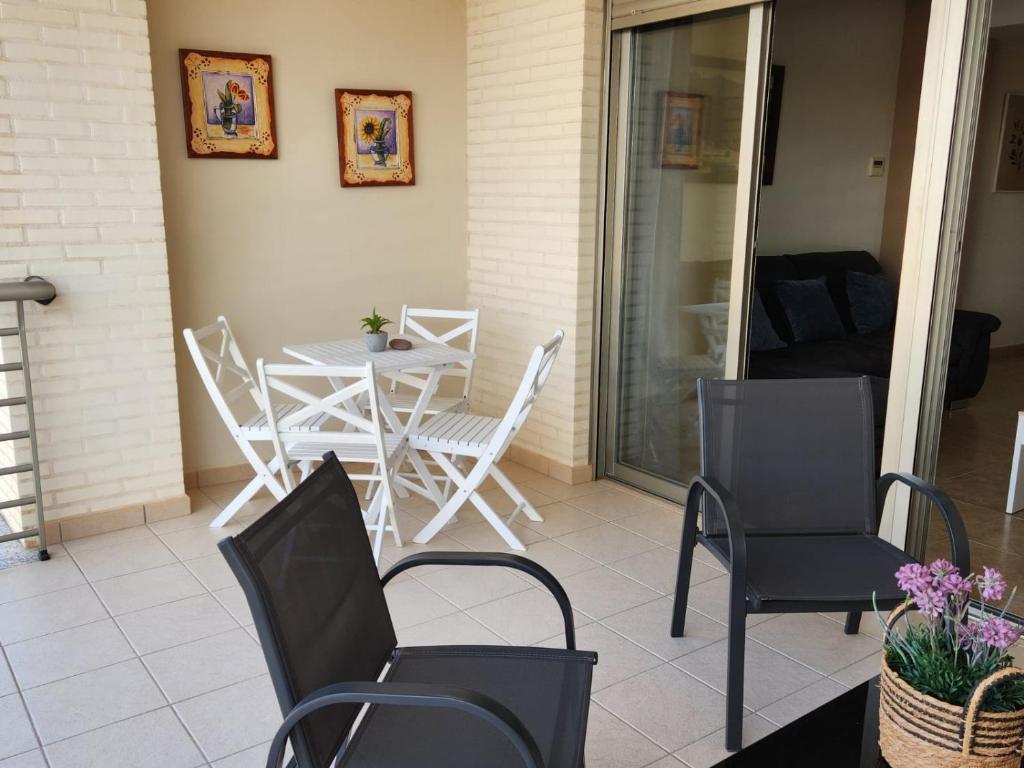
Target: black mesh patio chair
791,507
318,603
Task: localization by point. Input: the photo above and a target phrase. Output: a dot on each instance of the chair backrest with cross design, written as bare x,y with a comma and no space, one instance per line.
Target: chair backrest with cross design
464,331
223,370
354,422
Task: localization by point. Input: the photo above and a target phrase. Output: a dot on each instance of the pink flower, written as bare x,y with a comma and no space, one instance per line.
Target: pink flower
942,568
930,602
993,585
913,578
954,584
999,633
967,634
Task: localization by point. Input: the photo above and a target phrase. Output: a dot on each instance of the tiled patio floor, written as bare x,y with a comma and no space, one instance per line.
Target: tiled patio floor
135,648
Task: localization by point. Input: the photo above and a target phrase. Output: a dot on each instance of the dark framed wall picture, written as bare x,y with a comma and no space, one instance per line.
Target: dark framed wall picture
1010,165
229,104
682,128
375,137
773,113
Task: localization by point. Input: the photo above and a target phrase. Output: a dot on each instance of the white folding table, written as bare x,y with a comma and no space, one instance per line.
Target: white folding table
424,357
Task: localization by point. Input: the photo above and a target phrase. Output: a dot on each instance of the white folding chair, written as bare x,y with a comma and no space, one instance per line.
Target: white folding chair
227,379
467,323
447,437
355,422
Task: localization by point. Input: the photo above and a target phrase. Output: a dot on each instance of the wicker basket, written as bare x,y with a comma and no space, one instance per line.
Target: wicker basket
919,730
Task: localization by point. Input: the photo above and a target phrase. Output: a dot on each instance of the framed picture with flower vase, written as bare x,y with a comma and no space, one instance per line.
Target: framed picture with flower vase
375,139
228,100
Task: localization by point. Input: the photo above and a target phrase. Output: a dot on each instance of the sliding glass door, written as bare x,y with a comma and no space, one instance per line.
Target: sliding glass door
684,139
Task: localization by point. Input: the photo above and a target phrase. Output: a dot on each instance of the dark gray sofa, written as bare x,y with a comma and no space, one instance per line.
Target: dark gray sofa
857,355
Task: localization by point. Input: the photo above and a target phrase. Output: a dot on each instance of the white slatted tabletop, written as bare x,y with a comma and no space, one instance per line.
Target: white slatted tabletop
424,354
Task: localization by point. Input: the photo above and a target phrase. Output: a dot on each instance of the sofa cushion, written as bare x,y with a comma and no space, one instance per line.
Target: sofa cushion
872,301
833,266
809,309
768,269
763,337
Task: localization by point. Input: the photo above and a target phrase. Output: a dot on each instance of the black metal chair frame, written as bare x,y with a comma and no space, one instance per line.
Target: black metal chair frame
386,693
703,489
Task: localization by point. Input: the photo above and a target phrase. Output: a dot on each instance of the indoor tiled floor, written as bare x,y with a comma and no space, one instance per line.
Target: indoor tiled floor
974,469
135,648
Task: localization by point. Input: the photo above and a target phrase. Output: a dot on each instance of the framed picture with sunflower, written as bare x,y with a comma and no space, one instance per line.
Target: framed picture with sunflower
229,104
375,142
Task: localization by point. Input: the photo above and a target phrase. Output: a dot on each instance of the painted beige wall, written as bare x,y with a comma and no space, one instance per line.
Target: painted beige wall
842,59
904,136
277,245
992,266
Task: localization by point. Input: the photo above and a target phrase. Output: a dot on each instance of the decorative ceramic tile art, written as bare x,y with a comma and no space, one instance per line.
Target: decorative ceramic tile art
375,141
229,104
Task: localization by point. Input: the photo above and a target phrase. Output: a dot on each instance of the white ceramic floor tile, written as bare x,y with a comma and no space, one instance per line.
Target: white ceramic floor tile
16,734
155,740
233,599
560,519
814,641
796,705
466,586
710,750
481,536
32,759
859,671
136,533
648,625
212,570
254,757
91,700
767,675
232,719
205,665
666,705
165,626
126,557
59,572
68,652
613,744
602,592
52,612
135,591
559,559
711,598
658,568
7,684
524,618
411,603
614,504
618,658
190,543
454,629
661,525
606,543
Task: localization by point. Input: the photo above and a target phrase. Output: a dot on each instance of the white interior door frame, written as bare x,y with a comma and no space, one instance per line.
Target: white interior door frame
925,218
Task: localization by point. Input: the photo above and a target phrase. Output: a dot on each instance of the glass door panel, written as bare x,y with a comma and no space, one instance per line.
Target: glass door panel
679,173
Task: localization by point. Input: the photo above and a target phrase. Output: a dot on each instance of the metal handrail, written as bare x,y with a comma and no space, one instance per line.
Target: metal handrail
41,291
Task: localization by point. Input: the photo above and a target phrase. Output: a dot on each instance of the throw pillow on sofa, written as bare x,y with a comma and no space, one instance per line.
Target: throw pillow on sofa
872,301
808,306
763,337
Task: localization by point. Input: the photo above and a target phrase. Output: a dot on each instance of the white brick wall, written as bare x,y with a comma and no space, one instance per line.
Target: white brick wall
80,204
533,111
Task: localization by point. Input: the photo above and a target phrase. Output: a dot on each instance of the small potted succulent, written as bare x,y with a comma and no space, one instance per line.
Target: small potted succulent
376,337
949,693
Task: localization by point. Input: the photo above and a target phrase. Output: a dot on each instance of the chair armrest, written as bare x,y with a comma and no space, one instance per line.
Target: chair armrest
411,695
958,543
501,559
700,485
